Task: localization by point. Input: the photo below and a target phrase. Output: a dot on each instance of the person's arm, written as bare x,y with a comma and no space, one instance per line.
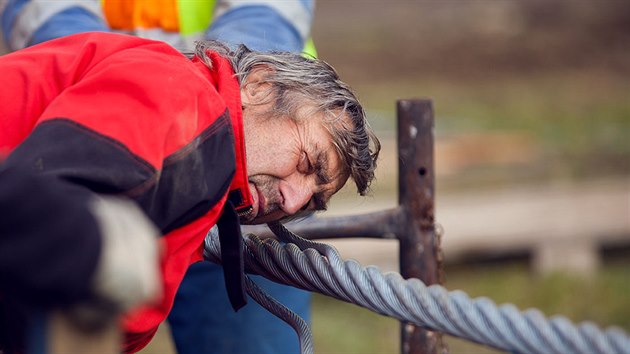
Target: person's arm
62,245
263,25
120,115
25,23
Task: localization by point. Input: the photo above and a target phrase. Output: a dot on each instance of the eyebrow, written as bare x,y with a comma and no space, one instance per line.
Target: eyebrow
321,168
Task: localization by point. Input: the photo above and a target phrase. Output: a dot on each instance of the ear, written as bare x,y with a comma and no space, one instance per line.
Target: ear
256,88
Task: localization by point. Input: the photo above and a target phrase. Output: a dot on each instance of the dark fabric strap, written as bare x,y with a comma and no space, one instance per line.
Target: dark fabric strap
232,256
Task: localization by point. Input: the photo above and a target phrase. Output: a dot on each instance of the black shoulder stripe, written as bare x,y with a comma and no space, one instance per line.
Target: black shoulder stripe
190,147
71,151
191,182
193,179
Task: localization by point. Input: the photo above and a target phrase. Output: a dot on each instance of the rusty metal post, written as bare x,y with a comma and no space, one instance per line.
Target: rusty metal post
418,244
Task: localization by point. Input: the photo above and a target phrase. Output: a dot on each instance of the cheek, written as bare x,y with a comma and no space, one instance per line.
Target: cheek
272,147
273,157
281,164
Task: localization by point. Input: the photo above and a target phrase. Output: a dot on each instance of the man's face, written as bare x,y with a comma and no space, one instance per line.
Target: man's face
292,165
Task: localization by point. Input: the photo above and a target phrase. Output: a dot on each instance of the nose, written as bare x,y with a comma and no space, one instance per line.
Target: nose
296,192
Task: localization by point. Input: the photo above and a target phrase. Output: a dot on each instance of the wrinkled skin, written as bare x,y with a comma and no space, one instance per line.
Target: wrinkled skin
293,166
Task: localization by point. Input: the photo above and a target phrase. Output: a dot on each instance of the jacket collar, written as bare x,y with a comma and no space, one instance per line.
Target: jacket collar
228,87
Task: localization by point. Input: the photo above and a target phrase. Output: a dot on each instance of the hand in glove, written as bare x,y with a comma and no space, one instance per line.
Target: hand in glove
128,270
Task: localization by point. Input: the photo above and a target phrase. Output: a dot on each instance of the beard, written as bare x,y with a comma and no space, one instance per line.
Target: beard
267,186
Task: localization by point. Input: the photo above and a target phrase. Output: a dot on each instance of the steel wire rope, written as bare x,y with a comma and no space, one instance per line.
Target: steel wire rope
318,267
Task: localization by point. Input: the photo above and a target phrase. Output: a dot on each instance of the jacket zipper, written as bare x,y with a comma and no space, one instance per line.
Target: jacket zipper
245,212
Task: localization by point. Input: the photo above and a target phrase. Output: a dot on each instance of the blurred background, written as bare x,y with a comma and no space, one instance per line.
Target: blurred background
532,106
532,125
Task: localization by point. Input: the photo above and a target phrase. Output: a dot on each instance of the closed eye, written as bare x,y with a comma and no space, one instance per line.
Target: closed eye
304,164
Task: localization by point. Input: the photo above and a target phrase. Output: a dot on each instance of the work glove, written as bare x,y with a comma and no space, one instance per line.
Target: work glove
128,272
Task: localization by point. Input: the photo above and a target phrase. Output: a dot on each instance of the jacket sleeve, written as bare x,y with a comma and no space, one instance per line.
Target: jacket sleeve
263,25
141,122
29,22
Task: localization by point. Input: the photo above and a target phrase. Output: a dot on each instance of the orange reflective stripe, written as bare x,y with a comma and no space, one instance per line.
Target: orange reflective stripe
132,14
119,13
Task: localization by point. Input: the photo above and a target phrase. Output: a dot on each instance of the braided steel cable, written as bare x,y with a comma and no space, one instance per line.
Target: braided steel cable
284,313
318,267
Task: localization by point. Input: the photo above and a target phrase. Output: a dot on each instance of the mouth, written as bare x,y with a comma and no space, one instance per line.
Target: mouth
261,201
258,202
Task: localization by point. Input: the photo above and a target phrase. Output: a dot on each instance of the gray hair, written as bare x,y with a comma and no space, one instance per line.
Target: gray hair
292,77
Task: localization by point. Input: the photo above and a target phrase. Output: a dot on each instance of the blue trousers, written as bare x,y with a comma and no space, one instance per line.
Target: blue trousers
202,320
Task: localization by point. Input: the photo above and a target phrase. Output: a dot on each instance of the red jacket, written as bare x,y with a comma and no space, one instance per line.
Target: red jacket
128,116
